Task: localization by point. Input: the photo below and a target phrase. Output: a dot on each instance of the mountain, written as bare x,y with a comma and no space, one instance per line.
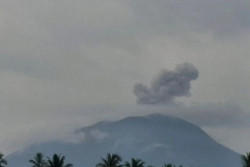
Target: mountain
156,138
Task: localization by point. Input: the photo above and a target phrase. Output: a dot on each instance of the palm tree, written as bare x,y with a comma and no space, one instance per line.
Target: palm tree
134,163
170,165
112,160
58,161
3,162
246,160
38,161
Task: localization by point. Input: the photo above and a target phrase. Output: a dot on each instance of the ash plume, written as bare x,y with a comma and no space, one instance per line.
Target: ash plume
168,85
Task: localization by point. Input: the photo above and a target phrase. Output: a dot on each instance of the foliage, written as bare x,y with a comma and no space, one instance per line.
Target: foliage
170,165
135,163
58,161
38,161
3,162
246,160
111,160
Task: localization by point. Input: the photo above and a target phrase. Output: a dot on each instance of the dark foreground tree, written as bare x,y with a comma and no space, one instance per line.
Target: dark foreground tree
170,165
246,160
58,161
111,160
38,161
3,161
135,163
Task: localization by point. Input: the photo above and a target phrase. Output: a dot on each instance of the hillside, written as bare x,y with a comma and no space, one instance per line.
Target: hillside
157,139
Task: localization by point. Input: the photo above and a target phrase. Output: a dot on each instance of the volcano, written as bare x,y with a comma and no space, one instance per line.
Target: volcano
156,139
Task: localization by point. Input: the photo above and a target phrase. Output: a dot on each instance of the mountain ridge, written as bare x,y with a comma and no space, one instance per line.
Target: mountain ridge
155,138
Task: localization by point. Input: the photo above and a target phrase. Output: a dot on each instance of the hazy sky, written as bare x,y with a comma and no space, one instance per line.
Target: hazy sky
69,63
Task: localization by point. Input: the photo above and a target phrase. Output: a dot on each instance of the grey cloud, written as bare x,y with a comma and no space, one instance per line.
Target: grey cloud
225,122
28,67
168,85
64,54
223,18
212,115
51,30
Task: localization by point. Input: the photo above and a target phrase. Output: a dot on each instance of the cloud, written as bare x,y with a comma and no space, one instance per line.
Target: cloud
98,135
226,122
168,85
59,56
221,18
210,114
156,146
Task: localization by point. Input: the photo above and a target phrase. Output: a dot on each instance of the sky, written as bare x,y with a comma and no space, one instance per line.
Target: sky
65,64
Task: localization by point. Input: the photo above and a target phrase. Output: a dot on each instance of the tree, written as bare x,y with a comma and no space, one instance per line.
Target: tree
111,160
58,161
246,160
135,163
170,165
3,161
38,161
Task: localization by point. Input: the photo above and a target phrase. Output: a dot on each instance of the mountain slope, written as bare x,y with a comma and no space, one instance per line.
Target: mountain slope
157,139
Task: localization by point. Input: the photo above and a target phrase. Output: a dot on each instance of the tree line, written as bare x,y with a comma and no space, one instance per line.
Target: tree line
111,160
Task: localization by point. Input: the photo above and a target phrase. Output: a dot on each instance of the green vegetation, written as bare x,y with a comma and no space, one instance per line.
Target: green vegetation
58,161
170,165
114,160
246,160
38,161
3,162
135,163
55,161
111,160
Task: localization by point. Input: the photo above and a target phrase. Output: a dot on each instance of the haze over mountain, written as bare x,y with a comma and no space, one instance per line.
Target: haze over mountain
70,63
156,138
